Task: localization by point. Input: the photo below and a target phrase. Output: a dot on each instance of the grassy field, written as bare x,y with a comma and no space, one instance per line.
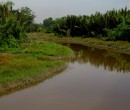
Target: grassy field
32,62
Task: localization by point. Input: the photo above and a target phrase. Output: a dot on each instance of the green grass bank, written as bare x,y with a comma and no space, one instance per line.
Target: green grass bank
32,62
119,46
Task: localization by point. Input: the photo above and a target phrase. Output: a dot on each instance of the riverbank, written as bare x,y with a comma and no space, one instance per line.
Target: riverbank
29,64
118,46
31,80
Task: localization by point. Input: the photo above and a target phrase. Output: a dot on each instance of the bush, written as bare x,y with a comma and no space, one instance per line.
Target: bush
11,33
121,32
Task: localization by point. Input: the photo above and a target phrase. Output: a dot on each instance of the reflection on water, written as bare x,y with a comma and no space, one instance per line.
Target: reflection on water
91,82
110,60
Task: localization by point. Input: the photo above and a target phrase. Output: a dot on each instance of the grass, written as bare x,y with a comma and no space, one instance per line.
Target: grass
119,46
48,48
30,63
19,67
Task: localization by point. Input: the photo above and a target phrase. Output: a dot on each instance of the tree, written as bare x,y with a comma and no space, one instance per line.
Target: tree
26,18
13,24
48,24
113,24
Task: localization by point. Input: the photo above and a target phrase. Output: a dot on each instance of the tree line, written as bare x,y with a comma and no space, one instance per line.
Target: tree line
112,25
14,23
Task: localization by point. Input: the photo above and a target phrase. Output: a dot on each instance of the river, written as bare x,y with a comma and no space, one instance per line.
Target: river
99,80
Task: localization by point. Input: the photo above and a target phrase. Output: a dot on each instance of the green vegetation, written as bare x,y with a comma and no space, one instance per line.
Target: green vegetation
23,60
113,25
47,48
13,24
18,68
30,63
121,32
119,46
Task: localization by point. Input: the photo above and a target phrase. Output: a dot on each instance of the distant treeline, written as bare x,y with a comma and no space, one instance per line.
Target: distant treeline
15,23
112,25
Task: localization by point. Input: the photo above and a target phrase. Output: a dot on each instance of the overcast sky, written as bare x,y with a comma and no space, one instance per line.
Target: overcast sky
58,8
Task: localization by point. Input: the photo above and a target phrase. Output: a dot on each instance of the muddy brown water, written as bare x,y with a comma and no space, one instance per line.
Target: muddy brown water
99,80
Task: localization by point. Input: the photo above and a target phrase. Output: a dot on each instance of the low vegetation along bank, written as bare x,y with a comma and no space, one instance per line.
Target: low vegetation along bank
119,46
30,63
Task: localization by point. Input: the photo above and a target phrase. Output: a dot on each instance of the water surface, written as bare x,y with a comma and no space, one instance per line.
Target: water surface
99,80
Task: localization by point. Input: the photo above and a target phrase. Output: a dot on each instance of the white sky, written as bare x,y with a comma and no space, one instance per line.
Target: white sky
58,8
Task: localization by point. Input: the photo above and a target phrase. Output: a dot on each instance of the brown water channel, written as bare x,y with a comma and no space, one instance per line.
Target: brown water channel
99,80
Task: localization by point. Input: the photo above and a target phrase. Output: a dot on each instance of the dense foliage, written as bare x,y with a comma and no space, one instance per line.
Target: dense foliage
14,24
113,25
